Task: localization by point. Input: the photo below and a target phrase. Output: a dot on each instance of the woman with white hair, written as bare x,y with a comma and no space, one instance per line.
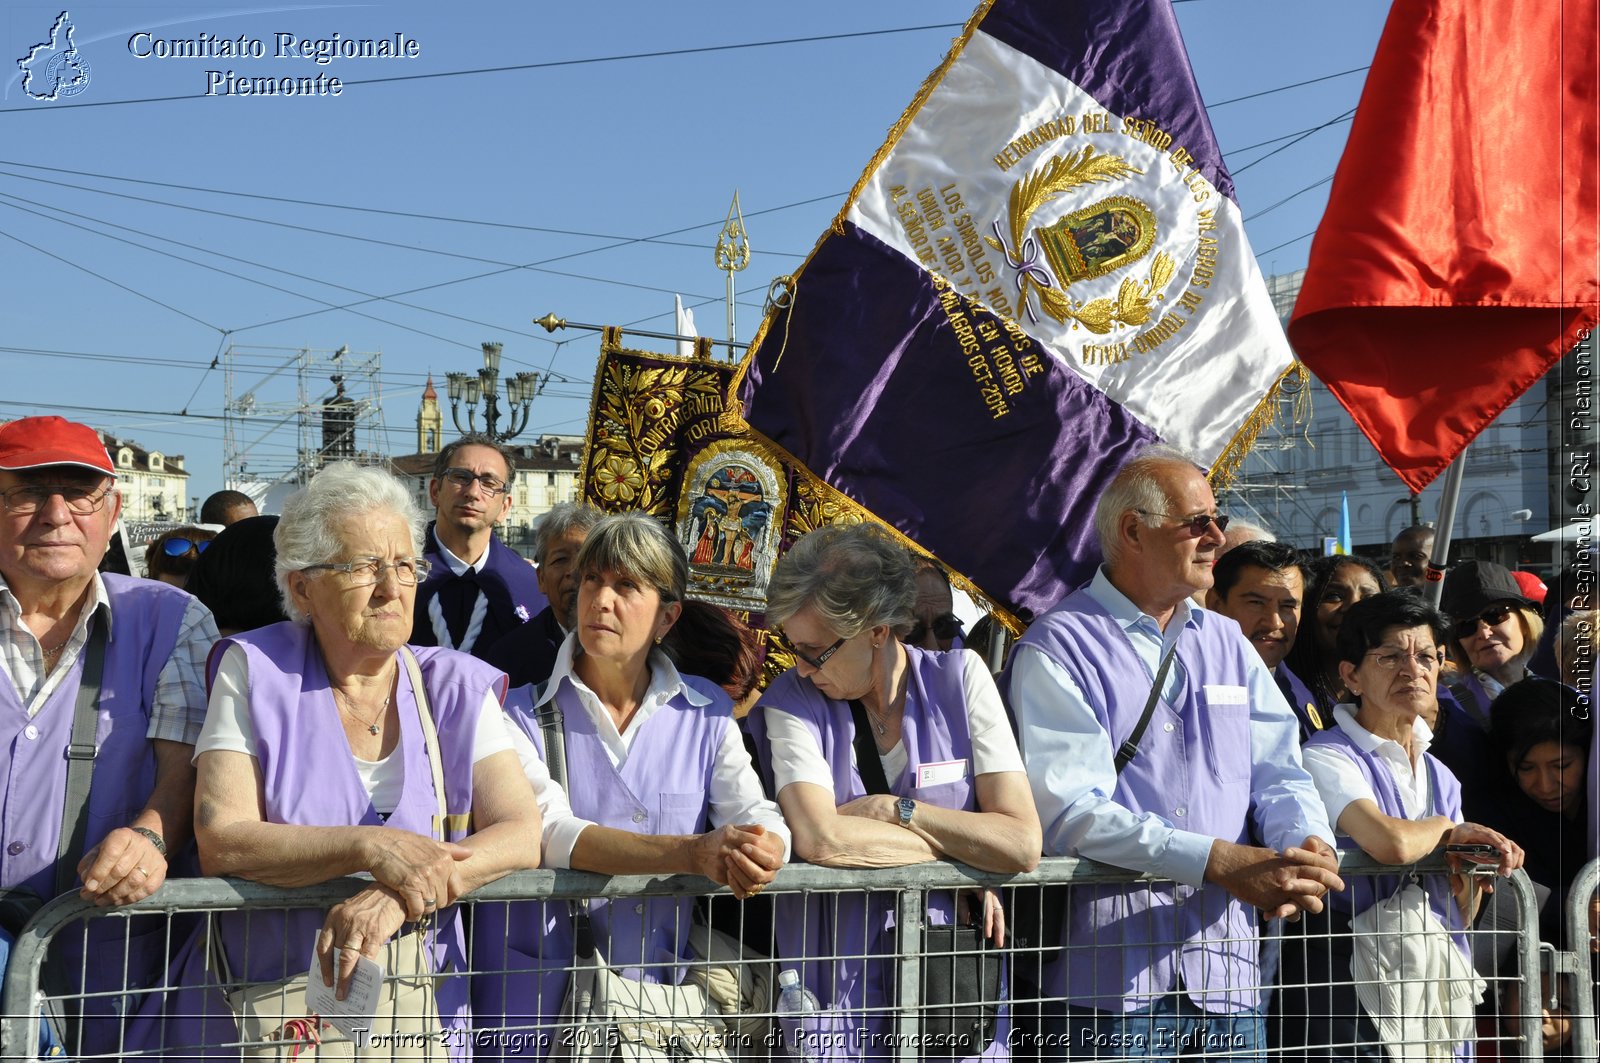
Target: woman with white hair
331,749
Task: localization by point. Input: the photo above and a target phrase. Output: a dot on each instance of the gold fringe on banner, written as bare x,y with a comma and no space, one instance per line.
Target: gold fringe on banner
1296,381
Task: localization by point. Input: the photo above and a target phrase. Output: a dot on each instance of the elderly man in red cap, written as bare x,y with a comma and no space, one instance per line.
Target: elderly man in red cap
105,699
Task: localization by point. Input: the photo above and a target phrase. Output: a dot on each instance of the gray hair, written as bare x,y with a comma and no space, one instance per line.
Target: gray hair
855,576
305,533
1135,490
639,545
561,518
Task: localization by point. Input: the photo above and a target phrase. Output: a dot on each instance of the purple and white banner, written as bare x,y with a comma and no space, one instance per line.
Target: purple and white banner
1041,271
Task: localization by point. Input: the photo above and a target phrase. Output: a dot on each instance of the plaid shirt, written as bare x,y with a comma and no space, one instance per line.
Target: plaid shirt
180,698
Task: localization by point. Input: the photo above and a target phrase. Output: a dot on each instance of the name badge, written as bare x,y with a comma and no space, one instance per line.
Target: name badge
1226,695
941,772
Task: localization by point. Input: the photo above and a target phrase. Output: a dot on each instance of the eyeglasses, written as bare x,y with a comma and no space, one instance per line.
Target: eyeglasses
944,627
27,498
1494,615
820,659
1196,524
366,571
177,546
463,478
1389,660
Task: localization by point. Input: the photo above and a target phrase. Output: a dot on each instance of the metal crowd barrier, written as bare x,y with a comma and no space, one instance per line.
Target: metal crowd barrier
887,1022
1579,965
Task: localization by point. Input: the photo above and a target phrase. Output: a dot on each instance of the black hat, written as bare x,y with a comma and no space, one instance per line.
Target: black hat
1472,586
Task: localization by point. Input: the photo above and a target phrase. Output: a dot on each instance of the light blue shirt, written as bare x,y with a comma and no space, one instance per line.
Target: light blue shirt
1070,764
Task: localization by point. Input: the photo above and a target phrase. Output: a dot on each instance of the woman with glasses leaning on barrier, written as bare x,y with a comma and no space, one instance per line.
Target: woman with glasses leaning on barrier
881,755
659,782
331,749
1388,796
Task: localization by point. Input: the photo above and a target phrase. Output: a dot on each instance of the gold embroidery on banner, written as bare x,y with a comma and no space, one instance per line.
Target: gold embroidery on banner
1294,381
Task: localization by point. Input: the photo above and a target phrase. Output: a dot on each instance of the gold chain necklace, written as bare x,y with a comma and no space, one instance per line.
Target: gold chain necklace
340,697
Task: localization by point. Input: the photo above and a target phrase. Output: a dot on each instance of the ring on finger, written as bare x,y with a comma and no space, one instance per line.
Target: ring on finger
142,871
428,902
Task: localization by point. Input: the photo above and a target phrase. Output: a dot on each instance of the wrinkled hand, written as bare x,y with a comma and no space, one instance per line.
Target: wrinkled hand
357,927
882,807
125,867
992,912
741,856
418,869
1280,885
1511,855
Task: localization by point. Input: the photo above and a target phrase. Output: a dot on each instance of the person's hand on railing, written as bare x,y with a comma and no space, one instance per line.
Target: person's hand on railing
125,867
742,856
418,869
985,905
357,927
1280,885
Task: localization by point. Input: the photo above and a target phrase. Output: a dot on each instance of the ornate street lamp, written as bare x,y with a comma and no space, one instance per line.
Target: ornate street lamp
520,393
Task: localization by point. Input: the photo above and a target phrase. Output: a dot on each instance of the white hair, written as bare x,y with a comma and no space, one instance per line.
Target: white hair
1136,489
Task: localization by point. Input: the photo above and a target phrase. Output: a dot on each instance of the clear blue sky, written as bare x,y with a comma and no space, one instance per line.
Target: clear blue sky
614,151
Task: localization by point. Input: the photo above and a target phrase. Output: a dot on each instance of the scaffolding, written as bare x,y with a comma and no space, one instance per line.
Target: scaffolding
287,412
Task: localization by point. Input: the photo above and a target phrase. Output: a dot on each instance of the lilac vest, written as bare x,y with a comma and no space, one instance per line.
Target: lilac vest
1302,701
824,935
309,777
1193,770
509,583
145,618
1363,891
662,788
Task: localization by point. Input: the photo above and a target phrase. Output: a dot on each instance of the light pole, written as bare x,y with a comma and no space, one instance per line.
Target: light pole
520,393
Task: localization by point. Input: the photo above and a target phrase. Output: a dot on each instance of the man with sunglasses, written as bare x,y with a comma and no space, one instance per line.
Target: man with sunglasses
479,588
1156,740
937,627
105,674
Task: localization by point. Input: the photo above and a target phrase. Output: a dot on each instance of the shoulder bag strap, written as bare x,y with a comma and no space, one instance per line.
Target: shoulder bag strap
1130,748
868,760
555,738
430,735
80,759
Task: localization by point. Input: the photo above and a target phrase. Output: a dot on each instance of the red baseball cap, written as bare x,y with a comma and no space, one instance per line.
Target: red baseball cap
35,442
1532,586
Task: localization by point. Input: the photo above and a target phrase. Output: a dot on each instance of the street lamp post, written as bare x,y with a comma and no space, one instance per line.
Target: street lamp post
520,393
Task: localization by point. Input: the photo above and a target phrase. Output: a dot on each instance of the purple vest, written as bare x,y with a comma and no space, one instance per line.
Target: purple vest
1193,769
823,935
1304,703
662,788
1363,891
309,777
510,584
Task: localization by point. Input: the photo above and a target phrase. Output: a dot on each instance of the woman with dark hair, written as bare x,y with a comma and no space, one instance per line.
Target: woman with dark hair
1386,795
1334,584
1544,729
174,554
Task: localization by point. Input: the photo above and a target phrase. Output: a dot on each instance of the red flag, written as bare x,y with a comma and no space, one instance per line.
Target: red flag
1457,260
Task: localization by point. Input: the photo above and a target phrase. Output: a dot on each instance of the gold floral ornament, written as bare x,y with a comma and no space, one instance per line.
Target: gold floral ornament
618,478
1128,232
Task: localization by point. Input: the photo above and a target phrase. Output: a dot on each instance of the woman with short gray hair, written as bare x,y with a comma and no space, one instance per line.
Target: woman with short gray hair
881,755
331,749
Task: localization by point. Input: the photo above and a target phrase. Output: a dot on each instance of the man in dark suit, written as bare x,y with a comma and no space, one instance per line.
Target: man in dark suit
528,653
479,588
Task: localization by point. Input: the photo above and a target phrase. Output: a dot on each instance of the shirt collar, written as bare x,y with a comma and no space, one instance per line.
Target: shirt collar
665,680
1130,616
99,602
458,566
1367,742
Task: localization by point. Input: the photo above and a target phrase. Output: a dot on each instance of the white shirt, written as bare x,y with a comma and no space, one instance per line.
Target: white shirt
734,789
228,726
480,607
1340,782
796,758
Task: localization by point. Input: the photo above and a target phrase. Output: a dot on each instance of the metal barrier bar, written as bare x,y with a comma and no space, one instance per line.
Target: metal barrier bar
1578,965
753,1036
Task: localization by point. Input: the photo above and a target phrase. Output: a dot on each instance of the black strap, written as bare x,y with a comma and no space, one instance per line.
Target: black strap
868,761
1130,748
555,740
80,759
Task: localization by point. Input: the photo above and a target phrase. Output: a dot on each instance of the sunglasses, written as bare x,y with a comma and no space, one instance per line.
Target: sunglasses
1493,616
1197,524
944,627
177,546
820,659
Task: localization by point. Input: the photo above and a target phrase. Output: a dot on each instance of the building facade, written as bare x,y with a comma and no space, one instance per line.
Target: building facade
154,486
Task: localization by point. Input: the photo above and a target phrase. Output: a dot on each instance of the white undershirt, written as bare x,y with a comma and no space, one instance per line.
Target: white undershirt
796,757
480,607
228,726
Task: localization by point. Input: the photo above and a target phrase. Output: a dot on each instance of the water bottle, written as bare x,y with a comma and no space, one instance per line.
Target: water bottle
795,1002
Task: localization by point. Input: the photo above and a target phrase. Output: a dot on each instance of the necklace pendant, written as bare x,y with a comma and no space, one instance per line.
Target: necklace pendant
881,729
372,728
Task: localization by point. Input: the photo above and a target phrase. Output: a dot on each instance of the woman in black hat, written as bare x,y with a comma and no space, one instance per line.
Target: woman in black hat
1495,630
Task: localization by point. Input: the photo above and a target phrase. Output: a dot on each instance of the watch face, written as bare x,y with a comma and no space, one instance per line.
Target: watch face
907,807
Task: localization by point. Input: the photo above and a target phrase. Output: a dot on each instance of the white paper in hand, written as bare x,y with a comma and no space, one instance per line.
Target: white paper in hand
359,1007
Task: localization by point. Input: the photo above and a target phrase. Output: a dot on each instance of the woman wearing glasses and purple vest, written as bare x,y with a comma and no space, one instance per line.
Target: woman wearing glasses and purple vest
1389,797
659,783
953,782
330,750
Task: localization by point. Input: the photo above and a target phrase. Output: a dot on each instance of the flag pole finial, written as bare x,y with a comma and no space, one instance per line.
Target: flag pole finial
733,254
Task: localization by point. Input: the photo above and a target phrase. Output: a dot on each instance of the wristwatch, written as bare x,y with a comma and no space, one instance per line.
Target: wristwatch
907,808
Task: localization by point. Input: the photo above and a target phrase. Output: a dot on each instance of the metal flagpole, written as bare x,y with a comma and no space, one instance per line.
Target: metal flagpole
1447,523
733,255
